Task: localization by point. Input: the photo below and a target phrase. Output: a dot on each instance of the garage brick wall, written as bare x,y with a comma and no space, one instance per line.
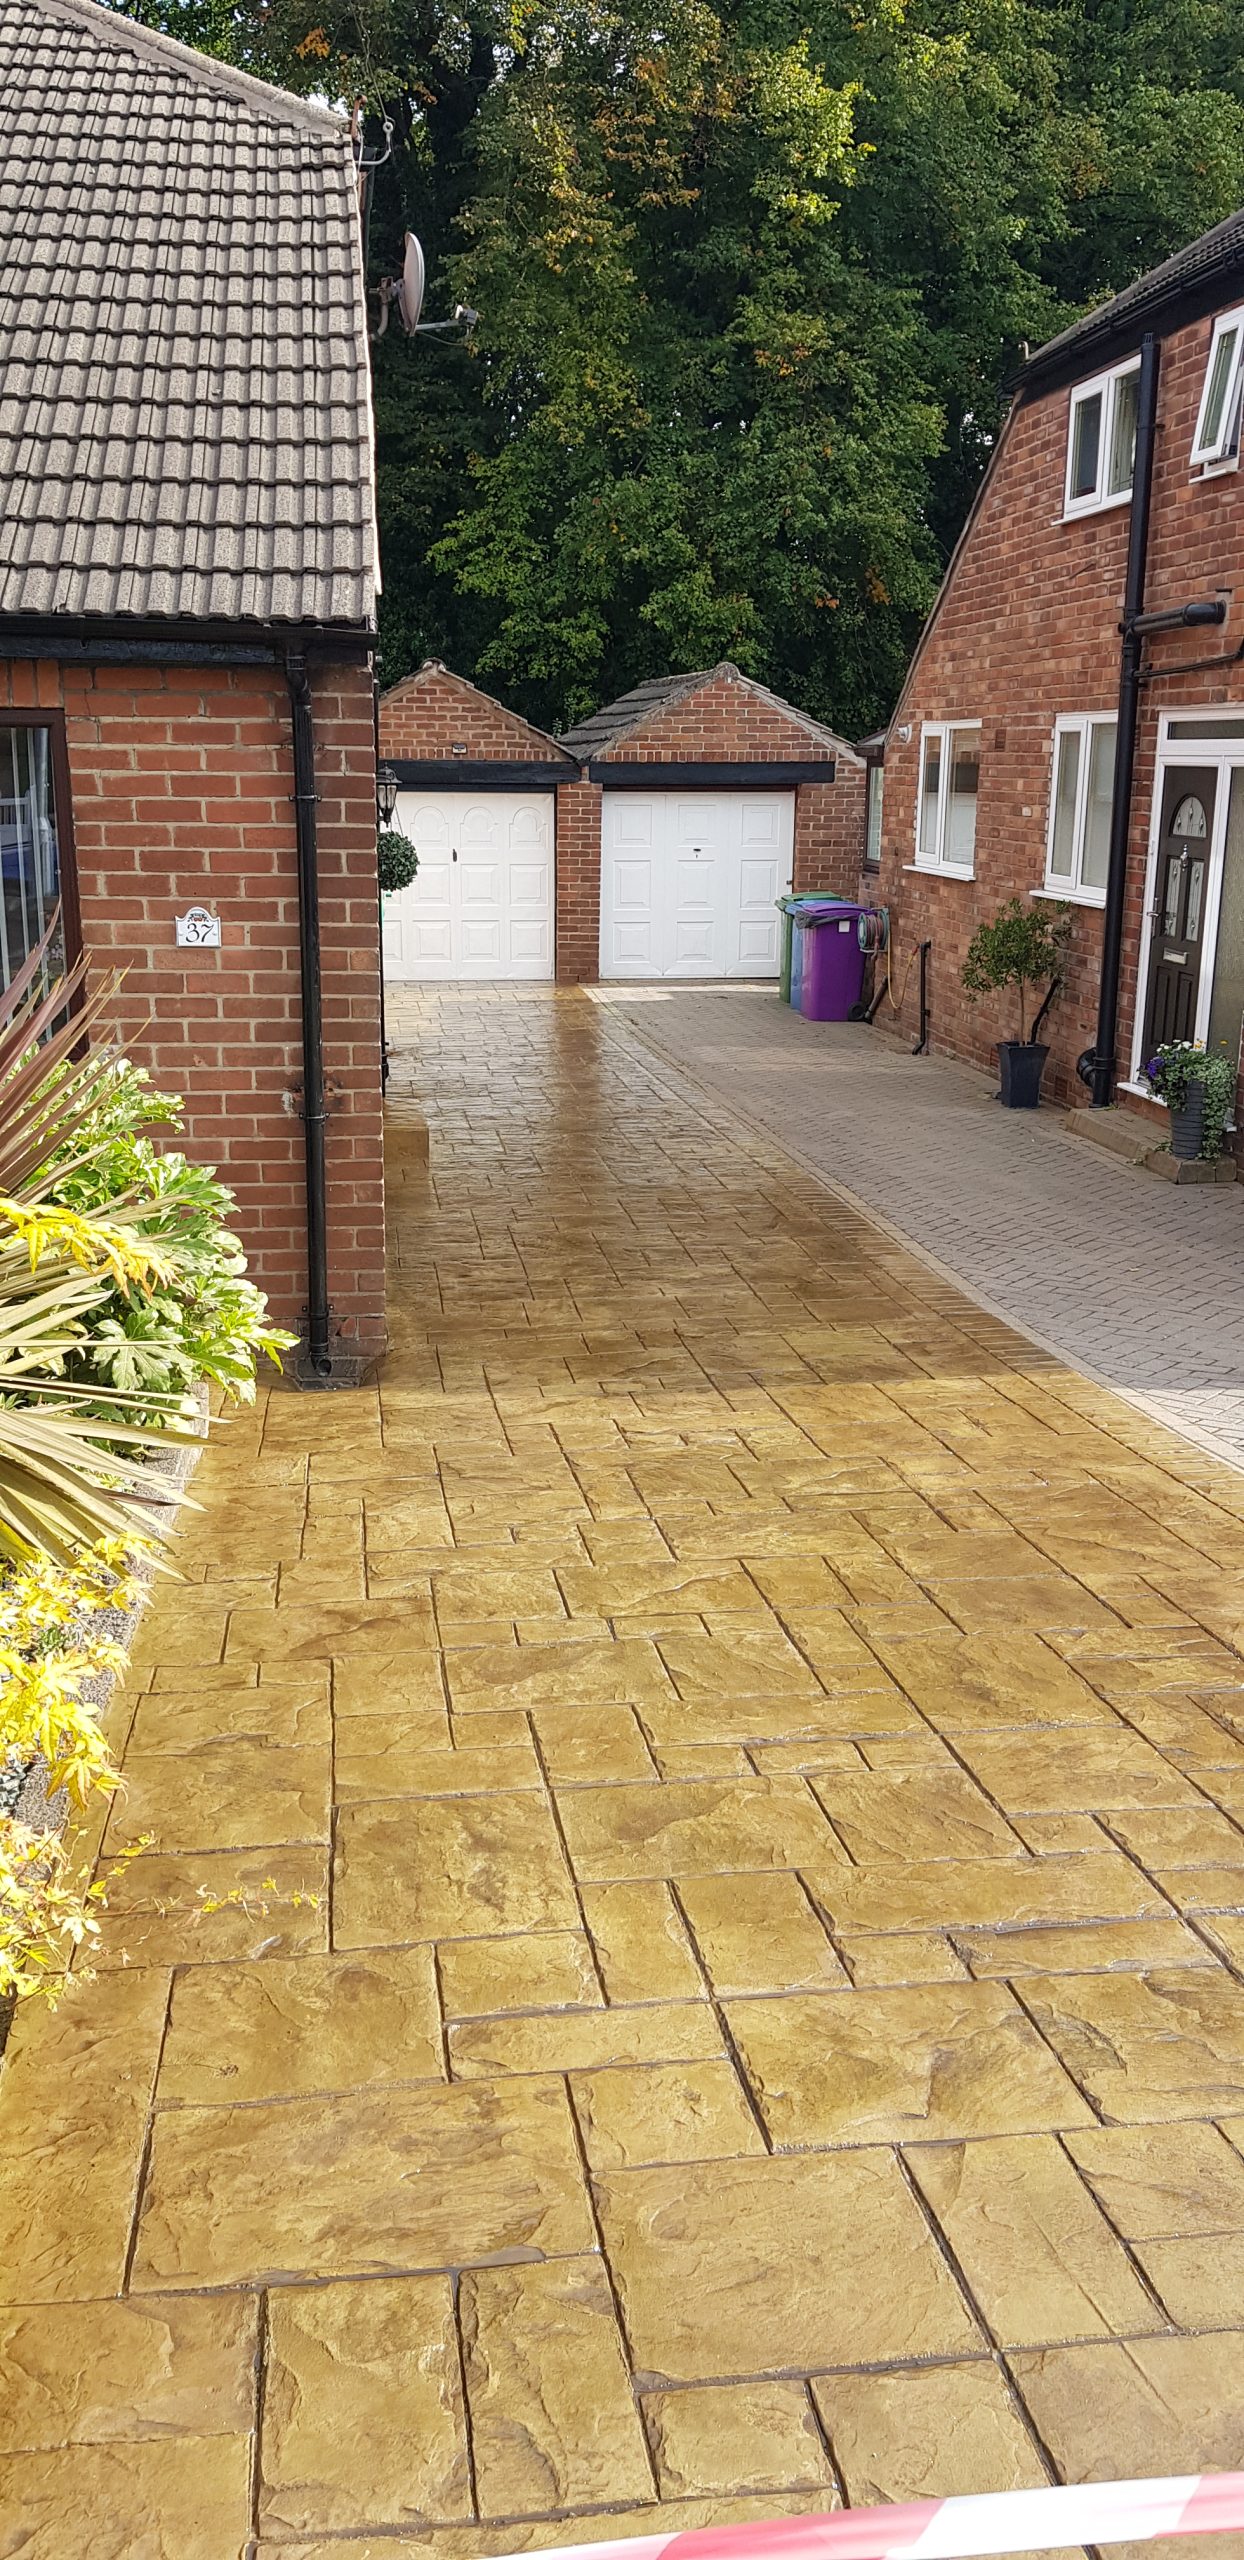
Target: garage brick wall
579,814
829,830
181,782
433,712
726,720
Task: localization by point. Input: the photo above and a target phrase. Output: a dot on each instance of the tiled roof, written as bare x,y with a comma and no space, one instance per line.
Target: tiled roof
1210,266
603,729
185,409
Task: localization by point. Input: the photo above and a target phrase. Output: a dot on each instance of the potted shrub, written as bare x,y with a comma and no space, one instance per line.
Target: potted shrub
1198,1087
397,859
1022,948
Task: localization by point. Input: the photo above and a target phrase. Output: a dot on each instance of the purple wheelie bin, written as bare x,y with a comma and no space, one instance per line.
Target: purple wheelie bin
833,963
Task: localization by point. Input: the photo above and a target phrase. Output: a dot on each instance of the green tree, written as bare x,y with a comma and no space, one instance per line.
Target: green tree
753,280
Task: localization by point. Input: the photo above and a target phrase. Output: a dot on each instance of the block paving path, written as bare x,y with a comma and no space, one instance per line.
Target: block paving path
691,1966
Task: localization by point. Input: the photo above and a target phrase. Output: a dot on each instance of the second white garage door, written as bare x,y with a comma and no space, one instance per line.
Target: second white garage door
482,903
689,881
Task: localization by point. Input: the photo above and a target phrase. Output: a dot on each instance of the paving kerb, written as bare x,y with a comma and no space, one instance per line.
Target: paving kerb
1144,1313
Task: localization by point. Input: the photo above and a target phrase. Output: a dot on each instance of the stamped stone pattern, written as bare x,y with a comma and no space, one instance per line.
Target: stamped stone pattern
692,1962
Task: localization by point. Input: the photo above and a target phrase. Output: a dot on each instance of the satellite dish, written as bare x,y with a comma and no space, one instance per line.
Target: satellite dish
413,275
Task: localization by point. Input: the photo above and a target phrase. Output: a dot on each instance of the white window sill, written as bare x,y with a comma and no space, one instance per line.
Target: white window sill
1094,899
1216,470
939,871
1075,512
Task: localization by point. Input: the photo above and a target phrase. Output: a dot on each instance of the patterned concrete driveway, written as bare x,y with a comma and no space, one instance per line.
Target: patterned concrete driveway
691,1966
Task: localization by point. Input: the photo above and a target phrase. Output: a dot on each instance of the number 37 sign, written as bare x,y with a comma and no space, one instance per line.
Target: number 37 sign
199,927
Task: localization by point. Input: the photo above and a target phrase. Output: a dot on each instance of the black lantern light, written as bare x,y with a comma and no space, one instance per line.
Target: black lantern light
387,788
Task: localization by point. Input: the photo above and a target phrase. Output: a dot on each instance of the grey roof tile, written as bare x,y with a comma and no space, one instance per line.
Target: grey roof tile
185,423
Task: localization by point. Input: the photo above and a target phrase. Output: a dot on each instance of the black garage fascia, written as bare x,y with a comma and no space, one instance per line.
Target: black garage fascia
473,773
709,777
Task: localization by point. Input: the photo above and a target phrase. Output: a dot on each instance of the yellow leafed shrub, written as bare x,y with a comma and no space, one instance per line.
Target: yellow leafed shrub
47,1651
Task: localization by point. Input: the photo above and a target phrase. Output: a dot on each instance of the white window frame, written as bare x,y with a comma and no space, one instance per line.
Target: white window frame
1211,455
1072,886
874,811
943,731
1094,501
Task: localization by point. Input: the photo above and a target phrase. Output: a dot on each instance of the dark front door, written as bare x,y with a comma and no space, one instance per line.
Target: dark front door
1180,891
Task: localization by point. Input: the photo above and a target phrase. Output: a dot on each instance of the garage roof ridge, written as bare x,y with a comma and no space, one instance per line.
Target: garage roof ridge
605,729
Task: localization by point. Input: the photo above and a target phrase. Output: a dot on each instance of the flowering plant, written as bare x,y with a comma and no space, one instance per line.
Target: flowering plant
1180,1068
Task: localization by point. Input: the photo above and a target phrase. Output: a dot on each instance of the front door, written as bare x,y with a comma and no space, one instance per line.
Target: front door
1180,883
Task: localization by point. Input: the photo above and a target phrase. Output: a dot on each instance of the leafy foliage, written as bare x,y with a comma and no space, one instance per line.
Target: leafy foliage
48,1911
199,1316
752,284
398,861
1022,947
1179,1069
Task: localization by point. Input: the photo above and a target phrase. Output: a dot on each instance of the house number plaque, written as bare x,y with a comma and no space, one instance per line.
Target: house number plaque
199,927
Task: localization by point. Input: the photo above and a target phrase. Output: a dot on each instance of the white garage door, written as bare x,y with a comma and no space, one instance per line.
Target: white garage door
481,905
688,882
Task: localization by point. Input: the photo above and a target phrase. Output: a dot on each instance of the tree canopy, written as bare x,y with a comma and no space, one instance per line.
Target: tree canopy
752,279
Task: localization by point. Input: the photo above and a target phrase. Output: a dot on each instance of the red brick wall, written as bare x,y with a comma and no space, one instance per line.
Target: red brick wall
829,831
432,712
182,782
1028,628
578,882
725,720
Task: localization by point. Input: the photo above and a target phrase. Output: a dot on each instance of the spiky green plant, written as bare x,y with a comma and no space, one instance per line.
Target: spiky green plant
68,1476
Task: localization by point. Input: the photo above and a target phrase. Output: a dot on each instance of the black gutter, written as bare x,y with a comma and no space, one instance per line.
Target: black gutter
319,1360
1097,1066
140,639
384,1043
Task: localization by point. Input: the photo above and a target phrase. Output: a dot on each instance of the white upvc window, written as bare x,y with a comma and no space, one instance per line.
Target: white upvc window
950,765
1216,444
1101,440
1077,852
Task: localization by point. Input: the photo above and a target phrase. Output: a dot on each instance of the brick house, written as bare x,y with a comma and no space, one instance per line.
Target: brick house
649,842
187,609
1000,760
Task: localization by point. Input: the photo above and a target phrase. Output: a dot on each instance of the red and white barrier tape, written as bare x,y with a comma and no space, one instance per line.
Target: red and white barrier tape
958,2528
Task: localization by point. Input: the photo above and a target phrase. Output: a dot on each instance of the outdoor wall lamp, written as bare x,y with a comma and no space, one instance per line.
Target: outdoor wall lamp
387,789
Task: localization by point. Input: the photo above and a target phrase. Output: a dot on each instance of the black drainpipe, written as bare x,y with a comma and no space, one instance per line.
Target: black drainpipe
1097,1066
319,1360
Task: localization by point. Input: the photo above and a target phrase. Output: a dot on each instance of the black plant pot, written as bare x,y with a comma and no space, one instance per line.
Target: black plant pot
1021,1064
1188,1125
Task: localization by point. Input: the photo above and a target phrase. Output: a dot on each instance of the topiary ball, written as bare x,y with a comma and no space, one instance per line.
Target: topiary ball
397,860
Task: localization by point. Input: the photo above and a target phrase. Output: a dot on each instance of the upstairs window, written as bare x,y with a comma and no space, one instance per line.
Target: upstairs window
1077,854
29,844
1216,444
1101,440
950,767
